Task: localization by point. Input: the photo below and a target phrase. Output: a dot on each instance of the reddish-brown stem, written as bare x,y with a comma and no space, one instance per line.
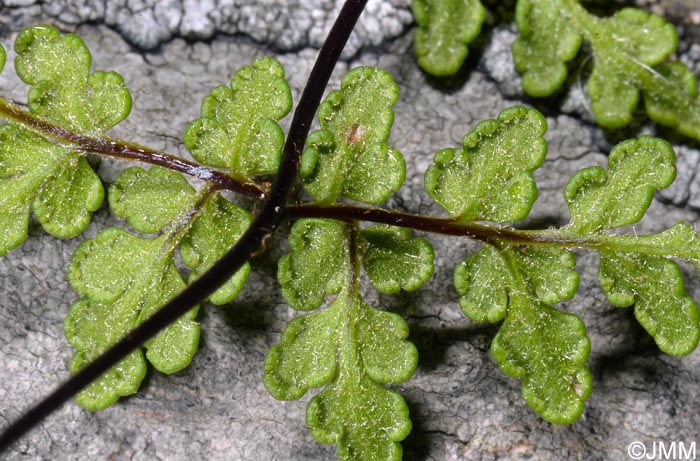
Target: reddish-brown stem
446,226
129,151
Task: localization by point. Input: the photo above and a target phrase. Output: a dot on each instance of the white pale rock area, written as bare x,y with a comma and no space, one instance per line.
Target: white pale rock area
171,54
285,25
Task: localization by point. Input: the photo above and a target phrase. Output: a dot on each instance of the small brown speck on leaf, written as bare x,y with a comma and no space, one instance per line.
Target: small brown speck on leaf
355,135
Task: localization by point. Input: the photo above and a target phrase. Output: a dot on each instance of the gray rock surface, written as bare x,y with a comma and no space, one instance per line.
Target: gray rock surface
280,24
462,406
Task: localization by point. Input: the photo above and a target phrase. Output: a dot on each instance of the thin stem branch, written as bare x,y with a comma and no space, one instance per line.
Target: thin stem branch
481,232
120,149
271,214
125,150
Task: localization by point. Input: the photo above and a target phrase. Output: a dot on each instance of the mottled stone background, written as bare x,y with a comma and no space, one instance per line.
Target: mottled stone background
172,53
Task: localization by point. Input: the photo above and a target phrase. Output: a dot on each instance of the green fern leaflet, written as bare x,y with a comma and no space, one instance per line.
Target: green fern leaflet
630,51
519,282
55,181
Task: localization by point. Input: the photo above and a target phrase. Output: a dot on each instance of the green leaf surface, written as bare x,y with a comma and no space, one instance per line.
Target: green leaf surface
636,33
549,272
36,174
3,56
629,51
219,225
238,128
305,356
59,185
318,264
482,280
393,260
92,327
680,241
365,420
351,347
546,349
381,337
150,199
156,199
125,279
547,41
671,97
64,201
445,28
310,346
490,178
62,88
655,286
637,168
623,45
349,156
